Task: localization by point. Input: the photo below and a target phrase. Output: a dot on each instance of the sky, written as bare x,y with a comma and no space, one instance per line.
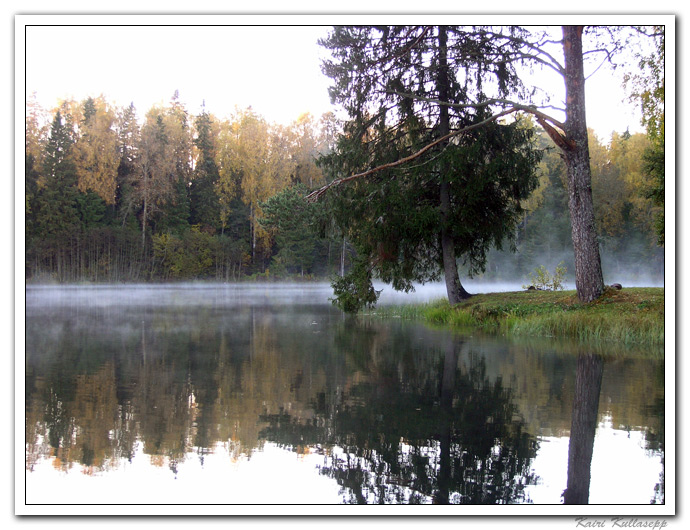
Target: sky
274,69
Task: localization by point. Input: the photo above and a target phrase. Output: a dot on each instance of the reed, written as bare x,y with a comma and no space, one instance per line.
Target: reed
633,316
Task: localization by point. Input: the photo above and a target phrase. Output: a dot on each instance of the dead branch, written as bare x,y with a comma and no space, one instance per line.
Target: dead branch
558,138
513,105
314,195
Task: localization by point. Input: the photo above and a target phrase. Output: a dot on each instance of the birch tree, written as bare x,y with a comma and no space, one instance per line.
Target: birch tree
156,166
96,155
254,163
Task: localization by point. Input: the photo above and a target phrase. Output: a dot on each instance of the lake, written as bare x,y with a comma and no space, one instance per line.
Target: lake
250,394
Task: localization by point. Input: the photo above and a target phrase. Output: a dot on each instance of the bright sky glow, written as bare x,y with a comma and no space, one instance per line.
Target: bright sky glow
270,476
623,472
620,466
274,69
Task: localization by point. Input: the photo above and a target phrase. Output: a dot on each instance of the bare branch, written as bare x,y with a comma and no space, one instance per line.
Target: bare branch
607,59
417,40
314,195
514,105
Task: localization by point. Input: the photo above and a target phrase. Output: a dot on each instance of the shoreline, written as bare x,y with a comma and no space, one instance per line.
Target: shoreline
632,316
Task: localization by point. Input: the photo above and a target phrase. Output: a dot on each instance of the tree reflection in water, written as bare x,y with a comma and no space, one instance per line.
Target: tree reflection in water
398,412
590,369
454,437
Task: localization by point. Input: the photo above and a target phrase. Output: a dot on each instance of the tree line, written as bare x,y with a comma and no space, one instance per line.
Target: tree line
444,175
181,197
110,197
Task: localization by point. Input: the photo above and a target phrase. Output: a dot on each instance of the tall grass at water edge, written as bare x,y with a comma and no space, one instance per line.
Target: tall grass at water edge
633,316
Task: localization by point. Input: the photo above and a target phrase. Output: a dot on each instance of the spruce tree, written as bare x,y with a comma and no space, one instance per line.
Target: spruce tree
56,207
205,204
404,91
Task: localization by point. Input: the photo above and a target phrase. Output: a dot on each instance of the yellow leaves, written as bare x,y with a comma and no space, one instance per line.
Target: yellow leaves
254,159
178,135
36,129
626,153
618,181
257,159
306,149
95,153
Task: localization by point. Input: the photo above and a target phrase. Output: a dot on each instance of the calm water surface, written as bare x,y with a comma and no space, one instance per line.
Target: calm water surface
266,394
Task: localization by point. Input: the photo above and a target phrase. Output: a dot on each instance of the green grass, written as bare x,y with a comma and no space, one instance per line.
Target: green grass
633,316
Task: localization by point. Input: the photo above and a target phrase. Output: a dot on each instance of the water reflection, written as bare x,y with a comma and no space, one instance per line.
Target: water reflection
389,411
590,369
405,435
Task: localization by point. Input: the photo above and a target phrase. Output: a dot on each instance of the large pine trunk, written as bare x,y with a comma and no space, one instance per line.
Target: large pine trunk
589,279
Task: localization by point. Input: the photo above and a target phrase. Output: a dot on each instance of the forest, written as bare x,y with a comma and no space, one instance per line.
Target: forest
180,197
114,194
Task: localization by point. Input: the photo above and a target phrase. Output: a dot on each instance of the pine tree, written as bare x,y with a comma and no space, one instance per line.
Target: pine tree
293,222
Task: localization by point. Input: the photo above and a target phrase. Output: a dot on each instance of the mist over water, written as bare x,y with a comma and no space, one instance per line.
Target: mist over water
246,294
435,291
264,390
179,294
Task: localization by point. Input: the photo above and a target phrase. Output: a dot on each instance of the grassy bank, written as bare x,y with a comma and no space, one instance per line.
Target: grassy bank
632,316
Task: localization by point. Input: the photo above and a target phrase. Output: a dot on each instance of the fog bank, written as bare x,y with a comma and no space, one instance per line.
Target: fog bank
203,294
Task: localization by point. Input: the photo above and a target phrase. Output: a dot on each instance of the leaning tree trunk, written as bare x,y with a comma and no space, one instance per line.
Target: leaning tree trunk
589,279
455,290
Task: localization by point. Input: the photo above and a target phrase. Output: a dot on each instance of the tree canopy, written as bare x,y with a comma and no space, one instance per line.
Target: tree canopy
404,88
507,47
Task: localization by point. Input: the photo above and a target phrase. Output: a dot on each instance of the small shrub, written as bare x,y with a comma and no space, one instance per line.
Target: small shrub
541,280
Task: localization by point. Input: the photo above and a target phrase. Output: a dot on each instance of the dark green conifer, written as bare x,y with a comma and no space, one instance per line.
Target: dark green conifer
205,205
404,90
55,207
